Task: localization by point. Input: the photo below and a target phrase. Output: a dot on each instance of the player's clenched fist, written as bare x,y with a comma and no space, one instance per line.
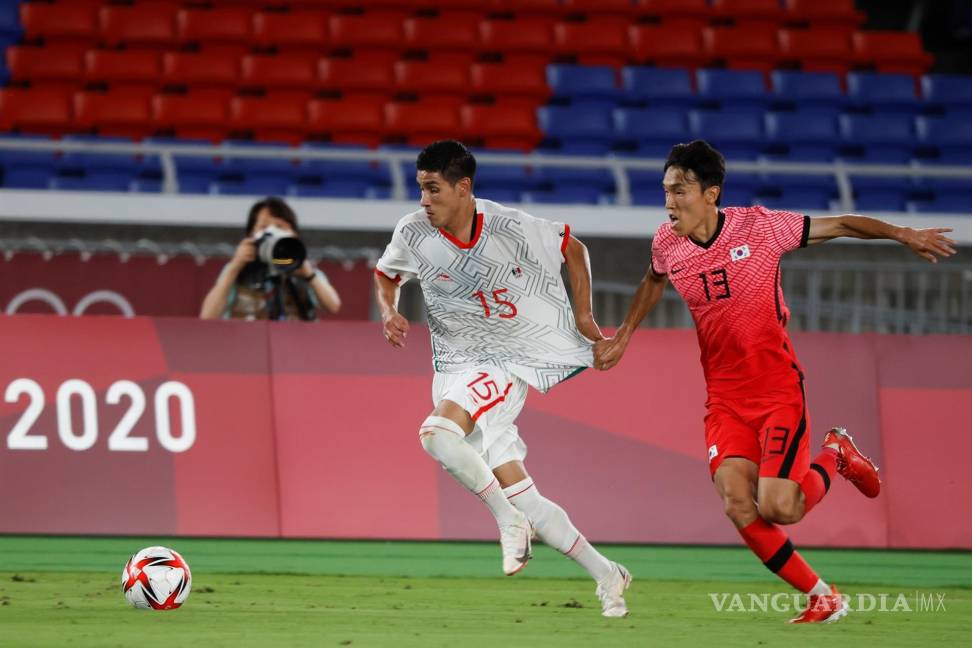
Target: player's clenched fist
395,328
608,352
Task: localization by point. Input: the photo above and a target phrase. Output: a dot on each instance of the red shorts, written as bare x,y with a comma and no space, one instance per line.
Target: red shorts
771,431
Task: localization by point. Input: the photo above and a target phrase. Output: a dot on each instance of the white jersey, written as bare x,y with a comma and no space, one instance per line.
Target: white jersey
499,299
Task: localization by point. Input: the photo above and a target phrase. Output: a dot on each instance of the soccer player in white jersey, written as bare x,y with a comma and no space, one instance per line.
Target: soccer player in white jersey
500,321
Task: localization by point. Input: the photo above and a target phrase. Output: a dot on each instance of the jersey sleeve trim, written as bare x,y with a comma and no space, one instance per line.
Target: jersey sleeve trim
651,267
805,237
396,279
563,244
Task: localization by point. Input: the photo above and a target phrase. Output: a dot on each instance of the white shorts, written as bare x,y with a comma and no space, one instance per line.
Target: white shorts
493,397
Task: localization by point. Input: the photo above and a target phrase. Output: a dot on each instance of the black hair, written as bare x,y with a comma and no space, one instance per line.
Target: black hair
278,209
706,163
449,158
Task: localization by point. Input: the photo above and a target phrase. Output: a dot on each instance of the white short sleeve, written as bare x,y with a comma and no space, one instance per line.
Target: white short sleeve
548,238
397,262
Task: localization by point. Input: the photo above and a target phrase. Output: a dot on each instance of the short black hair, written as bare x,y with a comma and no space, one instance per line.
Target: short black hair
278,209
449,158
706,163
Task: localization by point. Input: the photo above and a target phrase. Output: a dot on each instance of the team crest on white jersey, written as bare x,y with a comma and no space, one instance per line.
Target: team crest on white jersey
739,253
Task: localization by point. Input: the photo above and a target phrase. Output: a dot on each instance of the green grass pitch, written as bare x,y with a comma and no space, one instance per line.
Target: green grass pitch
57,591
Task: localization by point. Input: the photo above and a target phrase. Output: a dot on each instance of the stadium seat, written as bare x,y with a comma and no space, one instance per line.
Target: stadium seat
137,25
61,21
650,127
370,30
561,178
816,50
191,116
509,80
948,91
830,13
948,134
807,135
579,83
768,12
878,199
268,118
732,88
254,168
891,51
528,7
430,77
737,133
303,29
201,68
667,46
694,13
446,31
589,8
523,35
99,166
883,92
563,195
368,74
50,63
349,121
751,48
283,71
882,137
501,126
808,90
657,86
249,187
113,113
217,25
602,41
494,177
41,111
359,172
419,123
120,66
944,202
25,169
577,123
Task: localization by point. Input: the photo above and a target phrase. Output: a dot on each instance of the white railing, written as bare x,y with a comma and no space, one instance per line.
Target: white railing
397,160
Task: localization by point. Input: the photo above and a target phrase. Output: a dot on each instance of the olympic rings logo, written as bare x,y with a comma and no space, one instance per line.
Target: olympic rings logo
59,307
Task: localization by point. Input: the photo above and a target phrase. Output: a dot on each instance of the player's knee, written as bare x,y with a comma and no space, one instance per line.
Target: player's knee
741,510
780,509
436,428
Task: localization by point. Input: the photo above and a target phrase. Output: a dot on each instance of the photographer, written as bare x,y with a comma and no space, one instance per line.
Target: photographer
269,276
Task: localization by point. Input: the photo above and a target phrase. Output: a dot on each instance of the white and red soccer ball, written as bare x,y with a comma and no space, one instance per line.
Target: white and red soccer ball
156,578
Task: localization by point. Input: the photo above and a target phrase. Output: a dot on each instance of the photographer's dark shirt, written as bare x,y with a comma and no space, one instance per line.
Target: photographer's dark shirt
254,301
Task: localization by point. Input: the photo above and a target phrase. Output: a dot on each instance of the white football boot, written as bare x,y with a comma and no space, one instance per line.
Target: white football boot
515,542
611,592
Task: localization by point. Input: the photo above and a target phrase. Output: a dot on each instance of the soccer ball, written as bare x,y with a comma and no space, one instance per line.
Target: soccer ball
156,578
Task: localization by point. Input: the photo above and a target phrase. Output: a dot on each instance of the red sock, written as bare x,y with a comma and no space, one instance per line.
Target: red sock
816,482
771,545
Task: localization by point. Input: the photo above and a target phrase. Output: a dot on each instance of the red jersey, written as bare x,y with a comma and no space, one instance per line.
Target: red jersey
731,285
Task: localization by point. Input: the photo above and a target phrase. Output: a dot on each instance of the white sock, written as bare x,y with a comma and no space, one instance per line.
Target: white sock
820,589
555,529
445,441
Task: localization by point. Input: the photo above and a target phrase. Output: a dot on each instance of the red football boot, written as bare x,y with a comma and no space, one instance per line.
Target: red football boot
852,465
825,608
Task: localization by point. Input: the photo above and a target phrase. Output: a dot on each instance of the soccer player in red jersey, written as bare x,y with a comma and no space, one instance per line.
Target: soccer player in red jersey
724,262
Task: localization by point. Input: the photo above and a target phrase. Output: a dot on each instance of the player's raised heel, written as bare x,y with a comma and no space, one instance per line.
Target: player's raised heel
515,540
825,608
852,464
611,592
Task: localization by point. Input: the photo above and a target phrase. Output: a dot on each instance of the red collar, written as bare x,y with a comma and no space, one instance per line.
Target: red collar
475,239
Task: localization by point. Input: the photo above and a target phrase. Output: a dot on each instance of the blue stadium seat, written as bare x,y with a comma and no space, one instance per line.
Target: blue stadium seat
733,88
808,90
559,178
741,188
146,185
738,134
883,92
944,202
26,169
497,177
583,83
577,124
258,168
564,195
370,173
949,134
194,173
503,195
249,187
886,138
77,162
658,86
337,189
948,91
810,136
661,126
91,182
881,199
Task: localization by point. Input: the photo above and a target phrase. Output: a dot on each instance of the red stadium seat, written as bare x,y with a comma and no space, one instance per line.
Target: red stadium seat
891,51
754,48
818,50
526,35
506,80
501,126
358,74
142,24
269,118
603,41
371,30
427,76
35,111
350,121
830,13
282,71
459,31
51,63
595,8
233,25
765,11
114,66
191,116
672,12
548,8
303,29
63,20
421,122
667,46
113,113
202,68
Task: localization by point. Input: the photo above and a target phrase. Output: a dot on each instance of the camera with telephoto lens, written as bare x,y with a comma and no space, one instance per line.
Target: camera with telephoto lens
279,250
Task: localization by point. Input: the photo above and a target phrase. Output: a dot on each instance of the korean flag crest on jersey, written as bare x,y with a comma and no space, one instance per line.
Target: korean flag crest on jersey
739,253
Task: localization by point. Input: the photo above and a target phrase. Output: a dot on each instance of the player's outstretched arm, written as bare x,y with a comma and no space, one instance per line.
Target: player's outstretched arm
394,326
608,352
579,273
928,243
